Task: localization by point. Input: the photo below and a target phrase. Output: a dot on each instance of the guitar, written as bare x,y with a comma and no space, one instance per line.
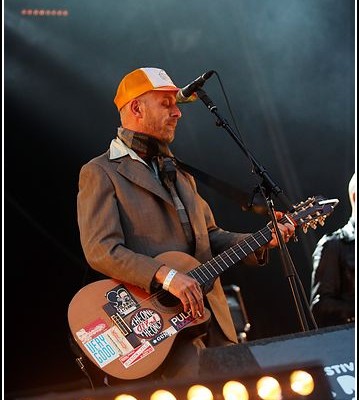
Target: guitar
128,333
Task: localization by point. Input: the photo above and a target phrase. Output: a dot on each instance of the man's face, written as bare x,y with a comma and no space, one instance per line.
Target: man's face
160,115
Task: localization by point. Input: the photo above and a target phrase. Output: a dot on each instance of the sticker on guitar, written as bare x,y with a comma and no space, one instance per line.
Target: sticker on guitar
92,330
104,344
170,331
181,320
137,354
146,323
121,300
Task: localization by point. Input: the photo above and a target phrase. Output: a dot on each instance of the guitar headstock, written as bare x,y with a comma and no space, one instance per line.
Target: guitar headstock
314,210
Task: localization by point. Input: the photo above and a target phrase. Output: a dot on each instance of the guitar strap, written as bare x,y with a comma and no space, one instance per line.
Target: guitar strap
230,191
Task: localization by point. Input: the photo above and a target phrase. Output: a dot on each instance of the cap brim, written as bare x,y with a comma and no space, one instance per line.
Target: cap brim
166,89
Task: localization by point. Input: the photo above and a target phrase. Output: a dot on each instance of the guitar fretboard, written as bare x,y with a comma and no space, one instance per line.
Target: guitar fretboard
211,269
305,214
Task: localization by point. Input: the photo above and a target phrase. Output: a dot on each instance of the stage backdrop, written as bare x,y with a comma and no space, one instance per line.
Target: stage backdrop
288,69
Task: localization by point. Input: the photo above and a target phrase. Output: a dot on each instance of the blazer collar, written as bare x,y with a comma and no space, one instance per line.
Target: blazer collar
140,174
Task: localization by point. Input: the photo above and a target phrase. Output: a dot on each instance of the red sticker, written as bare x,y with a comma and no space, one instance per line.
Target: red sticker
137,354
92,330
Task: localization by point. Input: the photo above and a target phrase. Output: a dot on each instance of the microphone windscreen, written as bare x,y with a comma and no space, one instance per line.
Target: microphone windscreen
181,99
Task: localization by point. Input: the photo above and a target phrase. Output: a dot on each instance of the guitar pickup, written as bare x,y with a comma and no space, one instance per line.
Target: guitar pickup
121,324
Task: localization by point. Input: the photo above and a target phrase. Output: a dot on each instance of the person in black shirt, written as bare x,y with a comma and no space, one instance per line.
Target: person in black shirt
333,276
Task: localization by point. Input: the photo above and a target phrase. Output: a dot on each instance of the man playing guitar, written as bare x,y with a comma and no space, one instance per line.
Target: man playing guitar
131,210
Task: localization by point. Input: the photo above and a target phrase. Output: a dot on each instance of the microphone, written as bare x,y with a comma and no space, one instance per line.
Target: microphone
187,93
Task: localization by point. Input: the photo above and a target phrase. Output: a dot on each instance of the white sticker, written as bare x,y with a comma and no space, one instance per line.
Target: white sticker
119,341
137,354
170,331
102,351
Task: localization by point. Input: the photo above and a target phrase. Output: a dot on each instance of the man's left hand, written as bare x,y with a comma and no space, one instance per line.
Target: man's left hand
287,231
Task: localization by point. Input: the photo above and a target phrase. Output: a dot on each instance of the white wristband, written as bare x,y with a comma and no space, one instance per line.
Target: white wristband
168,279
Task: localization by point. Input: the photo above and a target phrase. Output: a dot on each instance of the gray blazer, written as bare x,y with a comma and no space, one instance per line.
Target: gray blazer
126,218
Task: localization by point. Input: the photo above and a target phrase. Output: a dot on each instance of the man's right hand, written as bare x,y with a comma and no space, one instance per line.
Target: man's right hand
187,289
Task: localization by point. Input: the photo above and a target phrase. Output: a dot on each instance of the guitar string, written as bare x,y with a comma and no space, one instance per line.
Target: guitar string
253,239
160,294
248,241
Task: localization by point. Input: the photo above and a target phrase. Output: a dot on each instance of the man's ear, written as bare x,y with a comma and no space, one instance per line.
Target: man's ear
135,107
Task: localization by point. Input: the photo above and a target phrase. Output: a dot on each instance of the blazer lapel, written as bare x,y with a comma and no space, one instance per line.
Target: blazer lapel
141,175
185,191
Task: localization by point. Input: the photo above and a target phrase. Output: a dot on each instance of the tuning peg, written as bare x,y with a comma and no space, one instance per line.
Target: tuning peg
298,206
321,221
313,224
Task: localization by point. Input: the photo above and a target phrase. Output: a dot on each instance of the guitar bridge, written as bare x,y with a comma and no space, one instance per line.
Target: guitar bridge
121,324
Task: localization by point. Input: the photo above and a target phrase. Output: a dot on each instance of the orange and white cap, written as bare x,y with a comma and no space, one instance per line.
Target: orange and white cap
140,81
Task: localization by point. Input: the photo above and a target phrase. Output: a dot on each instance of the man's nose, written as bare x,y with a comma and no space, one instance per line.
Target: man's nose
176,112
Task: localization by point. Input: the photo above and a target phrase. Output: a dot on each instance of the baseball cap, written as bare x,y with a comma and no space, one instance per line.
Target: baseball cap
140,81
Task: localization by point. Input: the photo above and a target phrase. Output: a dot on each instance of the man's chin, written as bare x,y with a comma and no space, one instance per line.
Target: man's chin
169,136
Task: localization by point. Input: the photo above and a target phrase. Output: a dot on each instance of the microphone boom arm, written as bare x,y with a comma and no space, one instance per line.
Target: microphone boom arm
269,185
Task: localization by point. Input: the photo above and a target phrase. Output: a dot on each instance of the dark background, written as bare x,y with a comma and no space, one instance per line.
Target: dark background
288,67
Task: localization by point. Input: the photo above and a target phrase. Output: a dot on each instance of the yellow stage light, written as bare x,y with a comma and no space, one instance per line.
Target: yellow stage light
162,395
234,390
301,382
199,392
125,397
269,388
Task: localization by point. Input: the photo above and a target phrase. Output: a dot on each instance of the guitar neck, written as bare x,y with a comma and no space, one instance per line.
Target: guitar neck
211,269
306,214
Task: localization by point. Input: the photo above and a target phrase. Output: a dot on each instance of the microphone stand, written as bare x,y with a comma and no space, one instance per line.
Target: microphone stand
268,187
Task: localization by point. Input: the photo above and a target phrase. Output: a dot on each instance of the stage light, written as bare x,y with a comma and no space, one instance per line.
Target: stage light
34,12
162,395
234,390
199,392
268,388
282,383
125,397
301,382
